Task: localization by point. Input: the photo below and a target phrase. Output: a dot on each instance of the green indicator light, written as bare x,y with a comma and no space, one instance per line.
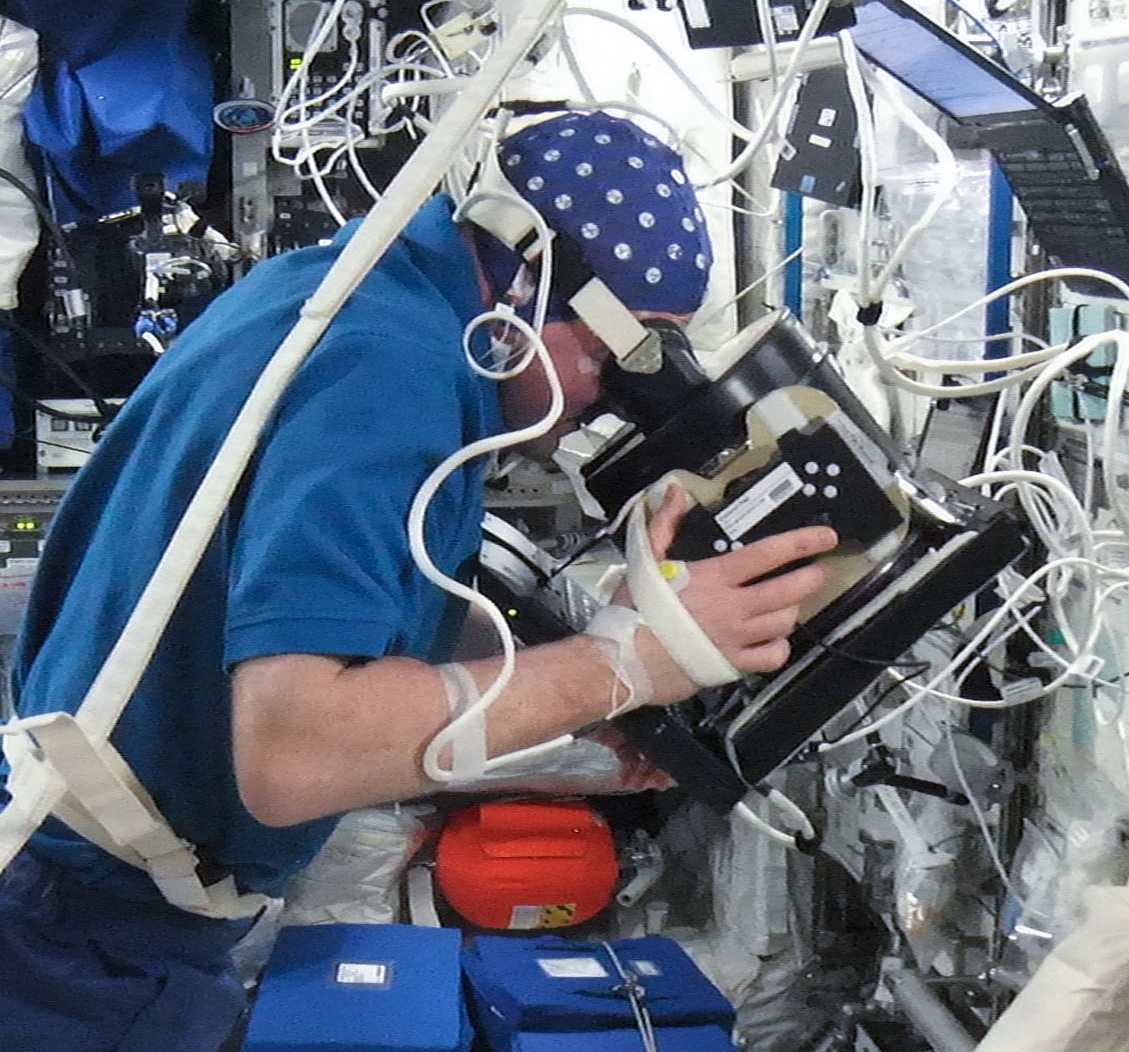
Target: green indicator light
25,524
511,612
295,63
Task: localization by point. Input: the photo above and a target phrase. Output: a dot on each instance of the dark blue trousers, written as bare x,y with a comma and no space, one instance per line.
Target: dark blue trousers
81,971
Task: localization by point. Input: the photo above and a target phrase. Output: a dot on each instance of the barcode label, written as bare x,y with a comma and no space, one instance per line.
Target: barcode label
759,501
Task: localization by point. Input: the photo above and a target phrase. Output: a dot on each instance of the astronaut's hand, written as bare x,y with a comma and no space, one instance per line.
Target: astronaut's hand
747,616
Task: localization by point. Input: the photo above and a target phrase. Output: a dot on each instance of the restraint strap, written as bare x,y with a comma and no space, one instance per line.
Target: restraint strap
657,600
58,769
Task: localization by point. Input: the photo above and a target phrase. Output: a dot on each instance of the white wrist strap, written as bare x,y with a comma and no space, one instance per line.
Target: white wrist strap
468,737
664,614
613,631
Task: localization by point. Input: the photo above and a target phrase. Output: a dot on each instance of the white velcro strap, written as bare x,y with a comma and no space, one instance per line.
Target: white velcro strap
664,613
613,629
467,732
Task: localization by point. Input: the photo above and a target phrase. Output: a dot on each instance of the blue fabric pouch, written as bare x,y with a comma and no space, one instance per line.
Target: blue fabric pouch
667,1038
574,990
361,988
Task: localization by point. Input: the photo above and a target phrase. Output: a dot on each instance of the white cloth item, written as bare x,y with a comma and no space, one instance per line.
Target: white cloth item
355,878
19,60
1078,999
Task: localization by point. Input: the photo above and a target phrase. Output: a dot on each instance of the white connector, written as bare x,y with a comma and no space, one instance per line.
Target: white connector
352,21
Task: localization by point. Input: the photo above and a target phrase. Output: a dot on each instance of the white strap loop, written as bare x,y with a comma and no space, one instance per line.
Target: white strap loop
468,741
613,629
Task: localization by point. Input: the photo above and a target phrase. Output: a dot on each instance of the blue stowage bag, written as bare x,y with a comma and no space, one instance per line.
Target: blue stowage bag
361,988
549,994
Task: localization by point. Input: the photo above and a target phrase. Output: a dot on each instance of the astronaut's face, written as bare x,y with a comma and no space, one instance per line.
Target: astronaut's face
578,355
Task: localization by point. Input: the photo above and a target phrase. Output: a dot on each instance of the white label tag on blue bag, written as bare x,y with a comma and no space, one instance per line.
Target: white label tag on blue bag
368,973
572,968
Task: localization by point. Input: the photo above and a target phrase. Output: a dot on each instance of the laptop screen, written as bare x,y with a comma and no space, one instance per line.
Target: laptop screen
936,65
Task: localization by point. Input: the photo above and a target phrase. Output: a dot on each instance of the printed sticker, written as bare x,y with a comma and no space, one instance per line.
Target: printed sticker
572,968
558,916
368,973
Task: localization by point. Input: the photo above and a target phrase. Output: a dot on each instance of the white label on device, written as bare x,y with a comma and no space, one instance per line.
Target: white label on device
759,501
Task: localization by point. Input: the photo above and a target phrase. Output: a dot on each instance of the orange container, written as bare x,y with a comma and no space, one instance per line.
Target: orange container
526,864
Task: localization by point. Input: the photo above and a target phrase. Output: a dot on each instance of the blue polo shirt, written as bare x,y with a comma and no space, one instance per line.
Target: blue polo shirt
312,555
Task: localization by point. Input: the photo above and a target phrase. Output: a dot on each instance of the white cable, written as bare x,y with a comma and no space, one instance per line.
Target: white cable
768,39
882,357
1111,430
416,518
743,811
868,166
303,106
1053,274
421,42
153,342
793,810
355,164
1031,398
734,127
928,336
970,650
318,34
772,111
578,78
946,182
1061,491
958,367
872,341
981,818
535,351
392,94
697,323
544,237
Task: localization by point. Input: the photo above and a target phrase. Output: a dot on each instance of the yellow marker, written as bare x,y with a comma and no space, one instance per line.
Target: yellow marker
557,916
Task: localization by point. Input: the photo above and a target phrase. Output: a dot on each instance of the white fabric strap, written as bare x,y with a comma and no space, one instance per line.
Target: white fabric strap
96,794
664,613
468,740
636,348
421,897
613,631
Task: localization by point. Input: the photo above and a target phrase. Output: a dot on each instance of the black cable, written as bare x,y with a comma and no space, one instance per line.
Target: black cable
11,385
993,39
60,239
45,216
43,347
922,667
803,630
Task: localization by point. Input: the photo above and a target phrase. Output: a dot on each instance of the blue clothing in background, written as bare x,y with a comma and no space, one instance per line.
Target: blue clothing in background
124,86
312,556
